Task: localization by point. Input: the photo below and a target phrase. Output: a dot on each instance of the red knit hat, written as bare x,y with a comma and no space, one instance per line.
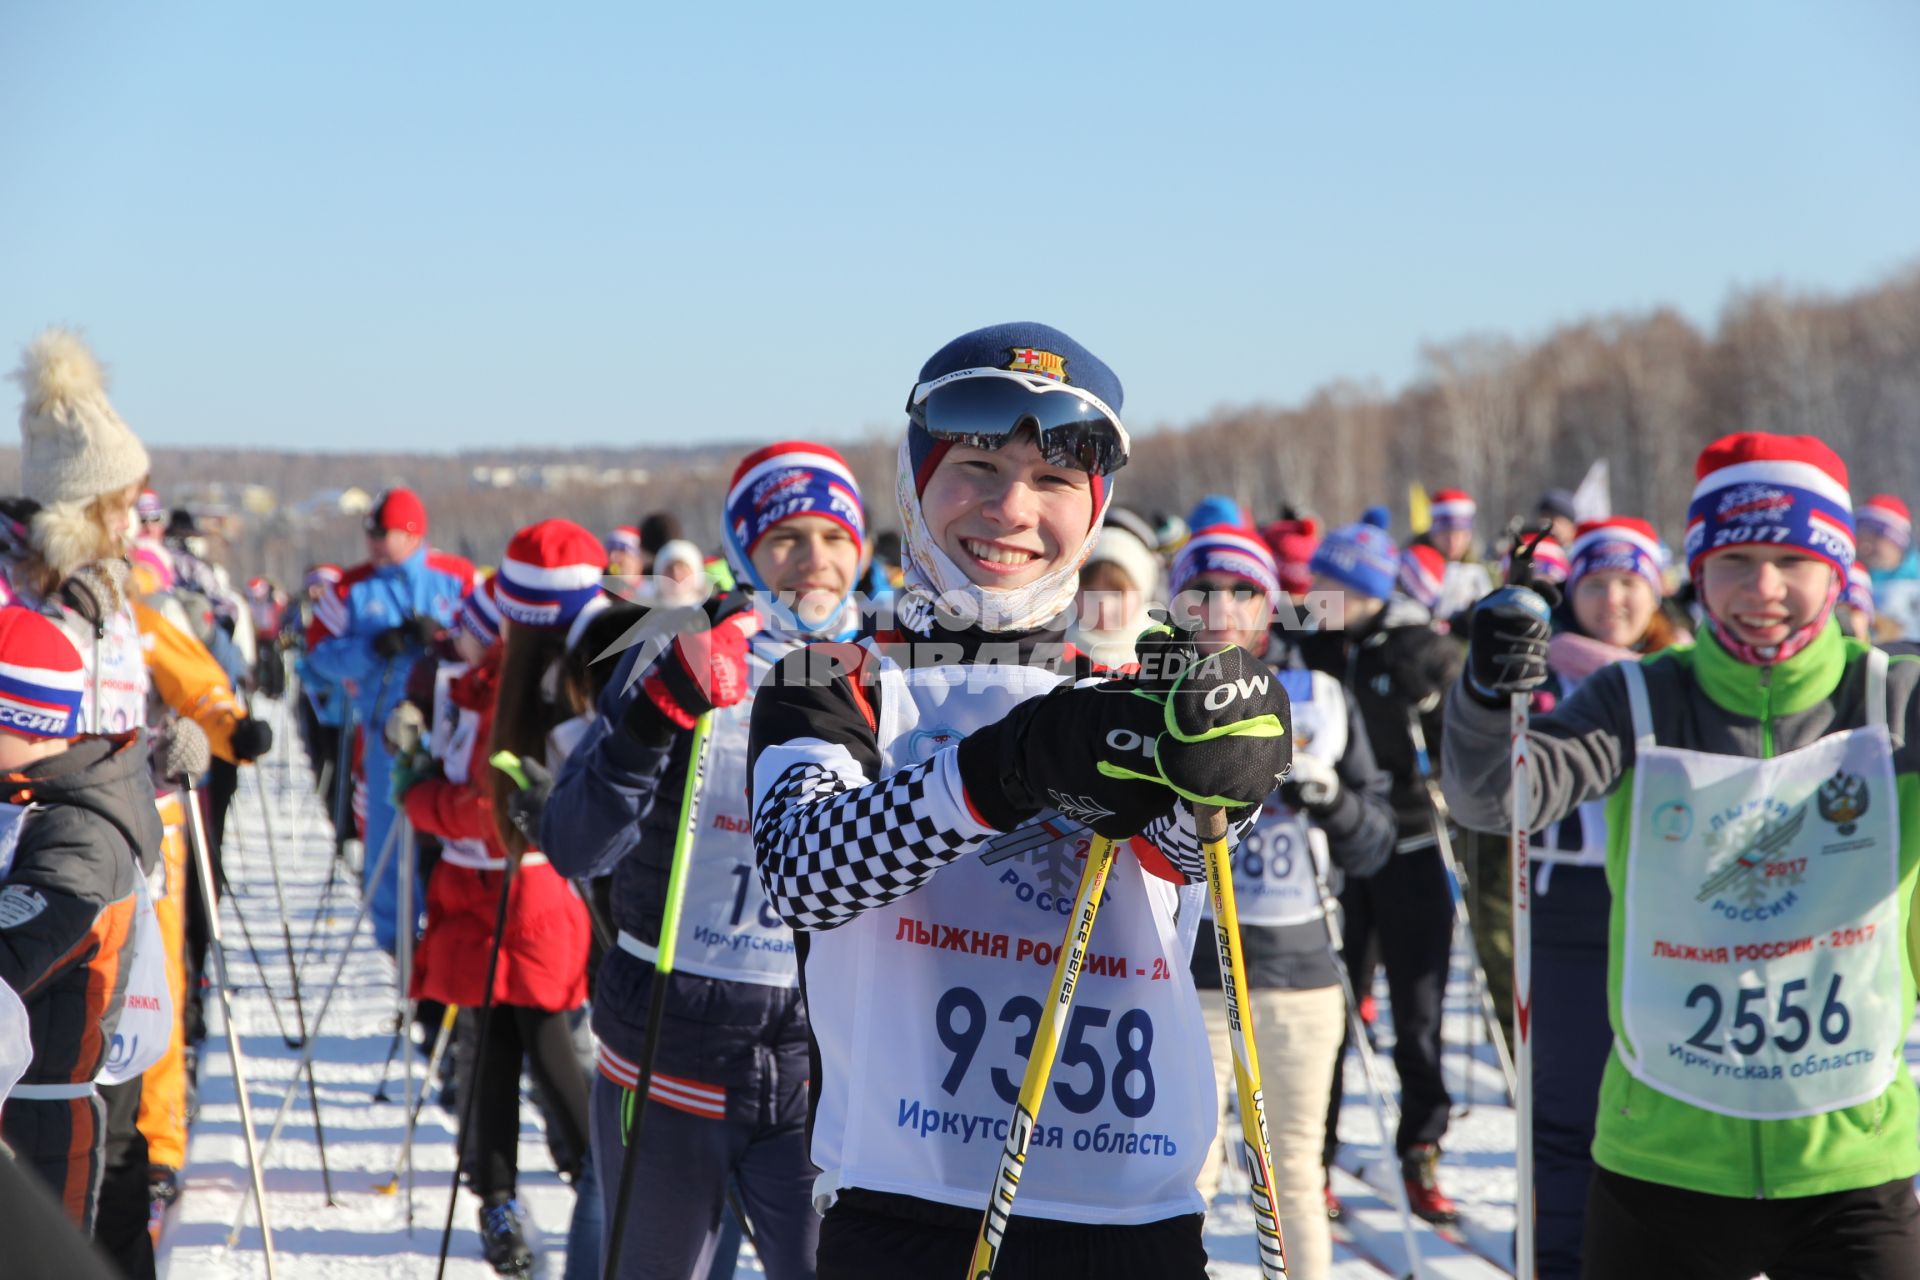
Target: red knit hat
1292,543
398,509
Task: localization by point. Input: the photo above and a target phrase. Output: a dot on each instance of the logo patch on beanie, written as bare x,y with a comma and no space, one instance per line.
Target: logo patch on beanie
1754,504
1034,360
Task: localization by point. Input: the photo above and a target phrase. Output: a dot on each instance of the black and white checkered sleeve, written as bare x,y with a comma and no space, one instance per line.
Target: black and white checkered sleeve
1179,841
831,845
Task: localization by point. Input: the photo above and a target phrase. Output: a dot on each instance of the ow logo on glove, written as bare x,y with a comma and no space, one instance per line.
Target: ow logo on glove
1225,694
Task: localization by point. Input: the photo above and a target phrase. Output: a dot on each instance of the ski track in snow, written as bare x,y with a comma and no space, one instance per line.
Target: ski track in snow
365,1233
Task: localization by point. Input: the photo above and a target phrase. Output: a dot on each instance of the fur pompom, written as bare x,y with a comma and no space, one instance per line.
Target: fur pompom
68,539
58,370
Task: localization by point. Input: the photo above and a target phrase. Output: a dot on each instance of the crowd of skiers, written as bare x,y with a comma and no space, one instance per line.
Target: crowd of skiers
759,865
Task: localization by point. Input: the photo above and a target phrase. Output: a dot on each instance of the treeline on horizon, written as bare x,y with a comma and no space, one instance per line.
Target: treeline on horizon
1502,418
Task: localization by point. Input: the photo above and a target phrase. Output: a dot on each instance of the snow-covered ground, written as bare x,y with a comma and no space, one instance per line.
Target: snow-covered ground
366,1233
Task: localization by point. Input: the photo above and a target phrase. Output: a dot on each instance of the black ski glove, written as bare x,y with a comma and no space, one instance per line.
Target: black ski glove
526,805
251,739
1228,737
419,631
1507,642
1087,752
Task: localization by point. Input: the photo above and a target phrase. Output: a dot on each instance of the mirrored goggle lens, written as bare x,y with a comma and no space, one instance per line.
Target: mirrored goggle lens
983,412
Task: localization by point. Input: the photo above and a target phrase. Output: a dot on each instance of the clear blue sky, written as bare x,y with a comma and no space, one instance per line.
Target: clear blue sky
354,226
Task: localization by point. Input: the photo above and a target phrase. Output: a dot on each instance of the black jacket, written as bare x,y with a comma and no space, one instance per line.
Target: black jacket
67,903
1395,664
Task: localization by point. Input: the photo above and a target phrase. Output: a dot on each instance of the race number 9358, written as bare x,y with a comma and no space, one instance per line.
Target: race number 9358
1099,1054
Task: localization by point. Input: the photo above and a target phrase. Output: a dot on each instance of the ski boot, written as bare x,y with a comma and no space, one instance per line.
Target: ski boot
1419,1169
503,1237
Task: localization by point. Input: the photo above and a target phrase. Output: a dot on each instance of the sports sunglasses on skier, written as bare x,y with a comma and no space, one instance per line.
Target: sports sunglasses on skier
980,408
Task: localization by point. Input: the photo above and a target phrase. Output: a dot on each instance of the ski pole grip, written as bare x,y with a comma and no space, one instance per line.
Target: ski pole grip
509,764
1210,820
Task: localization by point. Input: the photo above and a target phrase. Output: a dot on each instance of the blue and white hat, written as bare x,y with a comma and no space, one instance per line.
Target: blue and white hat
550,573
1361,557
42,679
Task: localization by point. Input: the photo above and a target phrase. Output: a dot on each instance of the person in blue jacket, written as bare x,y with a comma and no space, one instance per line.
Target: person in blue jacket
366,636
728,1097
323,704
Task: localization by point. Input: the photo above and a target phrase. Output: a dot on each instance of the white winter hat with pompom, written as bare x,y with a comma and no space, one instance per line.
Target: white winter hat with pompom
73,446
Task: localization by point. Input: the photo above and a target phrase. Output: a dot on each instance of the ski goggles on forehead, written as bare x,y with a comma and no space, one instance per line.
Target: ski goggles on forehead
981,408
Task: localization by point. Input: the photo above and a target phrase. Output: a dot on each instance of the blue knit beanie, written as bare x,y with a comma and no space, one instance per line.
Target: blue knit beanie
1361,557
1216,510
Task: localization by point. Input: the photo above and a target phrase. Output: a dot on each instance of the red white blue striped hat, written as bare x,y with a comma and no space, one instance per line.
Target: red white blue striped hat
479,614
1622,544
550,572
1887,516
42,679
1452,509
1770,491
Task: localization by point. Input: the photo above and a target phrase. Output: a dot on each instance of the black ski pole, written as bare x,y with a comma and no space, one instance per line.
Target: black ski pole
505,762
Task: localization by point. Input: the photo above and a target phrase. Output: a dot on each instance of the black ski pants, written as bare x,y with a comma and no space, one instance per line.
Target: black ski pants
544,1040
1571,1040
872,1236
1407,909
1645,1230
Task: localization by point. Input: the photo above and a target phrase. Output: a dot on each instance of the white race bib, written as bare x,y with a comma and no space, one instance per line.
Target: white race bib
1761,975
728,929
927,1009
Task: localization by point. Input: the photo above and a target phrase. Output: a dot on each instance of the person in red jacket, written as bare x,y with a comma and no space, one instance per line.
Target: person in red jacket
550,576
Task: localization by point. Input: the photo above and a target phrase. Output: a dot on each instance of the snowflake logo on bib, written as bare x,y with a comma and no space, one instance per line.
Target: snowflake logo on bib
1048,845
1760,866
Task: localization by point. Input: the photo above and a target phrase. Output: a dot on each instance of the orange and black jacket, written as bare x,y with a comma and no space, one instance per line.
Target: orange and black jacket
67,901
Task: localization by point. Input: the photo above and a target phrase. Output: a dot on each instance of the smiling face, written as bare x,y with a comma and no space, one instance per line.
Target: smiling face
1614,606
1764,595
1007,517
809,563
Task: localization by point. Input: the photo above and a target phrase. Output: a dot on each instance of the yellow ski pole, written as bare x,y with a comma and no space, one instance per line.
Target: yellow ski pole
1211,821
1046,1043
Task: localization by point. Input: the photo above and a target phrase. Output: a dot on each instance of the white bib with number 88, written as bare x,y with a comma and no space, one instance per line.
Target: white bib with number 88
1760,974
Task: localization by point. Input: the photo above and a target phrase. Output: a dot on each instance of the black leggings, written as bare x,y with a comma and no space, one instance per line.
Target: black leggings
545,1041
